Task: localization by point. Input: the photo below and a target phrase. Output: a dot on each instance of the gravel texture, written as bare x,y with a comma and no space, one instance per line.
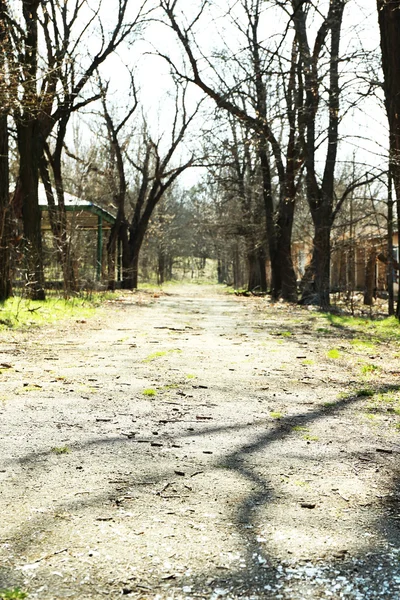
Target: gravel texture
192,444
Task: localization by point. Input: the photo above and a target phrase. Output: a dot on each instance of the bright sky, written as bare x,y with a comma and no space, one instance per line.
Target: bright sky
364,128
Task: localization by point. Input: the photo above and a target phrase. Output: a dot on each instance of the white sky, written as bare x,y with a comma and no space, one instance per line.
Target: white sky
364,127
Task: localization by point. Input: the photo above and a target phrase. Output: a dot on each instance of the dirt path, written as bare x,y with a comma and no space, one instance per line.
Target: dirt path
198,445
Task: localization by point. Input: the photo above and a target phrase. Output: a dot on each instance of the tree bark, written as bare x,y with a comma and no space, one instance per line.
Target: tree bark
389,25
30,150
5,205
5,213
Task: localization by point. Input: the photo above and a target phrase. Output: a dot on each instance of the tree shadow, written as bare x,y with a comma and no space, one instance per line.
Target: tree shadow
260,571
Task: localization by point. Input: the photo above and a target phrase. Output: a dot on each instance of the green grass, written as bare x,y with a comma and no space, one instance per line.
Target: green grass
369,369
308,361
366,345
367,330
154,356
310,438
60,450
149,392
30,388
334,353
159,354
364,392
22,313
13,594
276,415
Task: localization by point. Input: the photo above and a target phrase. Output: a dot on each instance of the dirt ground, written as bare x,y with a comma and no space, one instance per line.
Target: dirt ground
194,444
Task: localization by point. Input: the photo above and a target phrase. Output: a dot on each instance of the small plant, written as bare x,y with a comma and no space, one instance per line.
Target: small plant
363,344
149,392
154,356
364,392
190,376
13,594
31,388
60,450
276,415
310,438
334,353
368,369
308,361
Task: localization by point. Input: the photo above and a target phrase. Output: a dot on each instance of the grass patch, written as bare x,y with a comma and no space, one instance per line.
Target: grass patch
334,353
369,369
310,438
380,330
22,313
30,388
159,354
364,392
60,450
13,594
149,392
300,428
276,415
308,361
191,376
154,356
363,344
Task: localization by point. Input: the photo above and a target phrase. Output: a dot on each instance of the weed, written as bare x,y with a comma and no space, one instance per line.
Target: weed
31,388
371,416
299,428
363,344
308,361
13,594
154,355
60,450
311,438
159,354
276,415
332,404
334,353
22,313
149,392
190,376
364,392
367,369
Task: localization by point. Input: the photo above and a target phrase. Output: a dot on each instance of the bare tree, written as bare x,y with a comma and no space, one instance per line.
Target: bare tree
156,173
116,168
389,24
44,102
256,115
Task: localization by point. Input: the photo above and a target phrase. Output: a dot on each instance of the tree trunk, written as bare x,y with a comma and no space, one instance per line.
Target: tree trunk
161,267
316,281
283,252
370,274
5,205
257,277
29,153
389,25
5,213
